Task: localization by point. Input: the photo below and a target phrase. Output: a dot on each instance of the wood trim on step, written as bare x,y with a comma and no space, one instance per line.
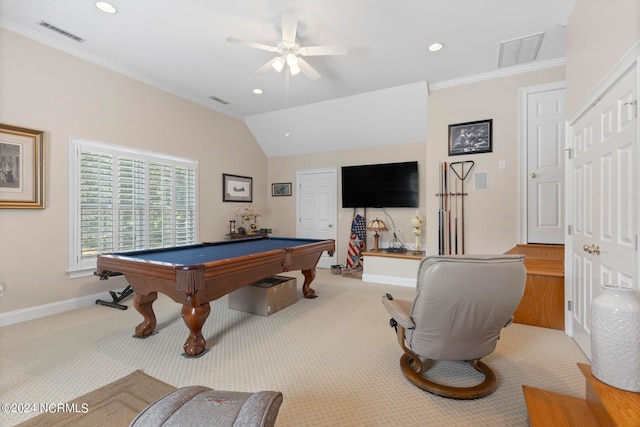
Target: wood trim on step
543,301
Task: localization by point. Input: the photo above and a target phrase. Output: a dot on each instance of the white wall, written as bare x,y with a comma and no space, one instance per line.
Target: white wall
599,33
46,89
491,216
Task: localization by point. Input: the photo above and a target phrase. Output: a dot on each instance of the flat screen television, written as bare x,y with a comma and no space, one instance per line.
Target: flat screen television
388,185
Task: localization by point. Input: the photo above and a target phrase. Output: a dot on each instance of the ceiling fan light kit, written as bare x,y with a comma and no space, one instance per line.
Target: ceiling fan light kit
278,63
290,53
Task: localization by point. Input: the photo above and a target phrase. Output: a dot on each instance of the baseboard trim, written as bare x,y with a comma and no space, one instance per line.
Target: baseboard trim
389,280
31,313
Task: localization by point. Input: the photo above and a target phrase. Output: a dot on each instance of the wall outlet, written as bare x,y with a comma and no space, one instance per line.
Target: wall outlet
1,290
398,230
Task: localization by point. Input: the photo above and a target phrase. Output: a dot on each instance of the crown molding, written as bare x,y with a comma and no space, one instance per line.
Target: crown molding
505,72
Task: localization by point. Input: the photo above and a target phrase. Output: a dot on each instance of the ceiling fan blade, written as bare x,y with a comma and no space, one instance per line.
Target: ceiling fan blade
308,70
337,49
289,28
252,44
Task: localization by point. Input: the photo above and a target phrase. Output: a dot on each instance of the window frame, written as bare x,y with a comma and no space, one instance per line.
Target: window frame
79,267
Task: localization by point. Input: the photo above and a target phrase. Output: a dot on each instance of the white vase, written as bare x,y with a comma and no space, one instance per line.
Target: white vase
615,337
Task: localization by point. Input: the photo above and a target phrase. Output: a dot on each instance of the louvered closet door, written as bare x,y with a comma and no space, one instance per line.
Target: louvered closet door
604,188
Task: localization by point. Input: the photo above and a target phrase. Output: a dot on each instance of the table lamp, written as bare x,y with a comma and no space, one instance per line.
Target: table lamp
247,213
376,225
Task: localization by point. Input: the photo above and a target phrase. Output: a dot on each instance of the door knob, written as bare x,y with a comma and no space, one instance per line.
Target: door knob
330,225
533,175
591,249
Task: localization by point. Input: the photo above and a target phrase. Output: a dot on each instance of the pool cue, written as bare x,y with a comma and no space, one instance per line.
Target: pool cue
455,184
440,213
447,208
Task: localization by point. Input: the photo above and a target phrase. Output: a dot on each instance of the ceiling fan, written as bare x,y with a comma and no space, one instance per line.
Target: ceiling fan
290,53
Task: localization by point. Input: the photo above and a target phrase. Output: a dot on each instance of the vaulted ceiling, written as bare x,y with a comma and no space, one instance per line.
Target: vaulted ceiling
181,47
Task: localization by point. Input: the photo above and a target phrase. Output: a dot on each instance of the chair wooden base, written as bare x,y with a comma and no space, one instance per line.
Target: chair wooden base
412,368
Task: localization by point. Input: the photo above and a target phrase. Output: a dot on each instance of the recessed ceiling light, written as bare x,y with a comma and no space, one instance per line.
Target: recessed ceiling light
434,47
106,7
258,91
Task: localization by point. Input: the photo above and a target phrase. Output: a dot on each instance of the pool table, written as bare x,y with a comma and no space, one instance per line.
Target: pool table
194,275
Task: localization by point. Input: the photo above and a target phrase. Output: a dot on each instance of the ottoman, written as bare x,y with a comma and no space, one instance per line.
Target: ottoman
202,406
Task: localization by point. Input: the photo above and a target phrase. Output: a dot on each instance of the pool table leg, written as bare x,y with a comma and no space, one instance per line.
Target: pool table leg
309,275
144,305
194,317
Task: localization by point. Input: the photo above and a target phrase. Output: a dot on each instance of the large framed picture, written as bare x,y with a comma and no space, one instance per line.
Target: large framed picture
471,137
237,188
21,168
281,189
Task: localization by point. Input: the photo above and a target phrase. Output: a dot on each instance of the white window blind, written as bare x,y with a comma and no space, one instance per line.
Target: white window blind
123,199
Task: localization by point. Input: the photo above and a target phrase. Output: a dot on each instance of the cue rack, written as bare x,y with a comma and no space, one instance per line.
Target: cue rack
449,234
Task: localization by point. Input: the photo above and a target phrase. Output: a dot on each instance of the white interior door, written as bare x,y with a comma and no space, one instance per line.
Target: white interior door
317,208
545,166
604,201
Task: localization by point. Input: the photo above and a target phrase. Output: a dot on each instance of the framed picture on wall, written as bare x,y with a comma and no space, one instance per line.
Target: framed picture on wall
237,188
281,189
471,137
21,168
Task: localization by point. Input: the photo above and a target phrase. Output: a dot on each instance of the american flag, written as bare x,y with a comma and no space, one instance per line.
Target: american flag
356,241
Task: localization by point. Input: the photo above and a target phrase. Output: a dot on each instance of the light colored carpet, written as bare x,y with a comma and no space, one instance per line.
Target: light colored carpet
334,358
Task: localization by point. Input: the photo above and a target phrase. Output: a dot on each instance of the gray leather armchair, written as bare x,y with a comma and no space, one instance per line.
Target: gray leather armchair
461,305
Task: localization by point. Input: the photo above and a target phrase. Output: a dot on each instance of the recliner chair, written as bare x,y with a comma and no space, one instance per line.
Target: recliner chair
461,305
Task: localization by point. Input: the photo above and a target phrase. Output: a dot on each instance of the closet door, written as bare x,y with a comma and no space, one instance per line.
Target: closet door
604,182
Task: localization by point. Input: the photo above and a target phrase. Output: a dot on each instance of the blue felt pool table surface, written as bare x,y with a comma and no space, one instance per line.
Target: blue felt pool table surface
218,251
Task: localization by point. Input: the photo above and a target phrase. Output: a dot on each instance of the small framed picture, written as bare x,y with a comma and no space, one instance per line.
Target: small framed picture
281,189
237,188
21,168
471,137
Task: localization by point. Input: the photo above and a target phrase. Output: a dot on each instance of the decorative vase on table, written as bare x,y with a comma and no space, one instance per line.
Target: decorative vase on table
417,221
615,337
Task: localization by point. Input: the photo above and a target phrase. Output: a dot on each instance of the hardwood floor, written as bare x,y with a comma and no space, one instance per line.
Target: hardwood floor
603,406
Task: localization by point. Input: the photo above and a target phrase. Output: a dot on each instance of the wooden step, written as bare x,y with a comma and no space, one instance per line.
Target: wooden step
543,301
542,259
550,409
604,405
538,251
610,405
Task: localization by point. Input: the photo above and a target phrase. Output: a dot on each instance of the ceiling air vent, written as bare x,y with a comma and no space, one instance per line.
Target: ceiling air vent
221,101
517,51
61,31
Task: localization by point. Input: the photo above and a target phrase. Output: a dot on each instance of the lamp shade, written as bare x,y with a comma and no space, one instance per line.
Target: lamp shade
377,225
251,210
